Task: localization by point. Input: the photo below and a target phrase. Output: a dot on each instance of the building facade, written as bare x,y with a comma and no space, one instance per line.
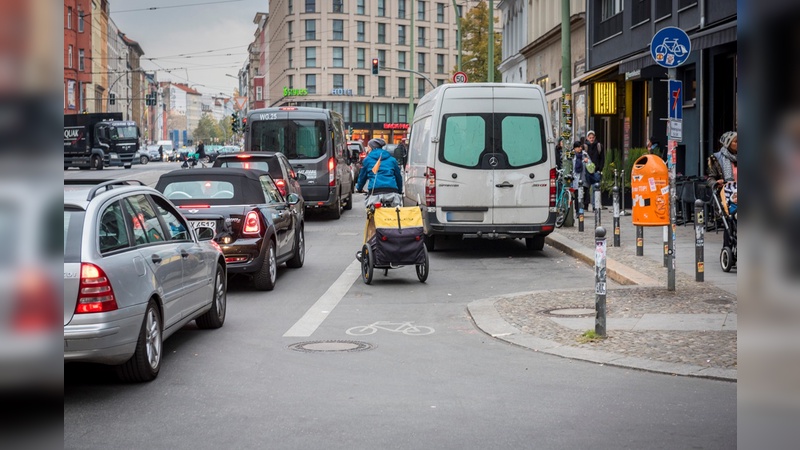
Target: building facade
77,54
97,90
319,53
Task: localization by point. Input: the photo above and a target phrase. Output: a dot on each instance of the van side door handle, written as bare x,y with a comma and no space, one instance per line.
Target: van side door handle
504,184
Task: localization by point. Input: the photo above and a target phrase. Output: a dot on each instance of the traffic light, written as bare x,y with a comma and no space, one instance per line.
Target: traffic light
375,66
112,98
235,122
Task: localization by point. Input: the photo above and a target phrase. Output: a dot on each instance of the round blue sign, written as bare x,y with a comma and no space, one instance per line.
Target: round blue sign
670,47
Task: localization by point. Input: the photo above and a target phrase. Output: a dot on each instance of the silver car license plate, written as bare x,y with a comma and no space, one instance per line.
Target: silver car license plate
204,223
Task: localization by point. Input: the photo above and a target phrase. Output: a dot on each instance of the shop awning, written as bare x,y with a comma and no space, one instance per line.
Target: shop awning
596,74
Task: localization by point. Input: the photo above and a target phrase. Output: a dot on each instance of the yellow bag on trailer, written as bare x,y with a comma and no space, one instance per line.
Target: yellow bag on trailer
396,235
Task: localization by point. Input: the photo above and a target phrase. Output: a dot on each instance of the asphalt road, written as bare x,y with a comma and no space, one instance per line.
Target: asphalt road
449,386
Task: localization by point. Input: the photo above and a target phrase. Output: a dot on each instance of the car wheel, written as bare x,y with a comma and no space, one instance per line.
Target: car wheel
266,276
97,162
146,360
349,205
299,251
535,243
336,209
215,317
144,160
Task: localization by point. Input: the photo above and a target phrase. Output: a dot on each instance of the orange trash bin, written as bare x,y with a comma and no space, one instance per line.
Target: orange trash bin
650,191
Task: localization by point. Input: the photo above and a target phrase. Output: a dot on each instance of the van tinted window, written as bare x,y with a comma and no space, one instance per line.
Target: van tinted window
522,139
464,138
295,138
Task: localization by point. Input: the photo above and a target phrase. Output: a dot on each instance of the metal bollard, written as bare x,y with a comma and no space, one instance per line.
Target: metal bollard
600,281
596,204
699,230
622,201
665,236
639,241
615,195
580,206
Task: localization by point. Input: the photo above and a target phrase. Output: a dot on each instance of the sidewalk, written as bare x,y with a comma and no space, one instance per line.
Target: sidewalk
690,331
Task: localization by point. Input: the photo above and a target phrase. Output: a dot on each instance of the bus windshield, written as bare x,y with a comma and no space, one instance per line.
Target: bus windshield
295,138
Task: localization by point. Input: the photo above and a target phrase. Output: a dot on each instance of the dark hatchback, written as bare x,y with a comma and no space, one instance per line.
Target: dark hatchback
256,227
275,163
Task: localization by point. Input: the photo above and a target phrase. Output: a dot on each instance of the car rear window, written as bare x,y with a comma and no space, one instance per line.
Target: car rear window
260,165
199,190
295,138
73,229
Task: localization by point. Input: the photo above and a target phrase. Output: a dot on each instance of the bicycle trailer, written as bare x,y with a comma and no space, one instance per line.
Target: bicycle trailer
393,238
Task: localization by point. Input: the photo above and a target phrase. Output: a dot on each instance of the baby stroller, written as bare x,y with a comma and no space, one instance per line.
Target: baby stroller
393,237
726,210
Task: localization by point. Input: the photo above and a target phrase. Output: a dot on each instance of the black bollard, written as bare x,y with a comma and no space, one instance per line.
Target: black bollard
596,204
622,178
639,241
699,230
615,195
600,281
580,205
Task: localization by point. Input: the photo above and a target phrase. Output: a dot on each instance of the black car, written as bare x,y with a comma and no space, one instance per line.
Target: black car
256,227
275,163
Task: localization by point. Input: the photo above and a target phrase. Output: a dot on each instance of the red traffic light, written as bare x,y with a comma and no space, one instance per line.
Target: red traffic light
375,66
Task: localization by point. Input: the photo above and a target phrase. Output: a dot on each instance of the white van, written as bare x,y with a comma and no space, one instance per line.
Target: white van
169,151
481,163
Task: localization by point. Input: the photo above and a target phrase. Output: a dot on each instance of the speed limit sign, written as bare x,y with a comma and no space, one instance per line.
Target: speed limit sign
459,77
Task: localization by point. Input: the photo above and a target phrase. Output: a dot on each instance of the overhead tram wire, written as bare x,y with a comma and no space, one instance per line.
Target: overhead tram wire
154,8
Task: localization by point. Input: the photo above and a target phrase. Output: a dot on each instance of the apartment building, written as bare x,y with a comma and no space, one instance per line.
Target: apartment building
77,54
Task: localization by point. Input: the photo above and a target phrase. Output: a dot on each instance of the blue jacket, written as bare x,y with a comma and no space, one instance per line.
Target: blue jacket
388,176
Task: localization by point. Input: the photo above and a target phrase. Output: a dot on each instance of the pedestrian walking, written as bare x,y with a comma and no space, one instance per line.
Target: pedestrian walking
401,153
722,165
597,156
579,172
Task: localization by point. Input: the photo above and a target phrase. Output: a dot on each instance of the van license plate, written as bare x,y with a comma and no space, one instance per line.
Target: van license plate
204,223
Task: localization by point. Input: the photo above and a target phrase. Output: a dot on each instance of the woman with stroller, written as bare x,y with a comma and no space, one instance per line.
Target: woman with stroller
722,178
381,175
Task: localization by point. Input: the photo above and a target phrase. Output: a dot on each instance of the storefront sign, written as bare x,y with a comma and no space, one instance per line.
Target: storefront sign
289,92
605,97
341,91
395,126
633,75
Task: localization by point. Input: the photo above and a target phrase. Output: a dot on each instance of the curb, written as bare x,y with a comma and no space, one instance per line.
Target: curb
488,320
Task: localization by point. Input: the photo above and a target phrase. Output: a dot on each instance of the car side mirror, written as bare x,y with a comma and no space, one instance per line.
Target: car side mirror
205,233
293,199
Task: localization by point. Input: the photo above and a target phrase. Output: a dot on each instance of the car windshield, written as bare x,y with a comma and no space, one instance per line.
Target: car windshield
124,132
295,138
198,190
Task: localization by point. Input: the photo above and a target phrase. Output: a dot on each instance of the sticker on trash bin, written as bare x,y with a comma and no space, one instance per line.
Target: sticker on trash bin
637,178
665,190
652,182
600,289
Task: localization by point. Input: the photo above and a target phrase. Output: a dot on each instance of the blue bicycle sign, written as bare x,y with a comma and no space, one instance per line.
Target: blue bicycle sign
670,47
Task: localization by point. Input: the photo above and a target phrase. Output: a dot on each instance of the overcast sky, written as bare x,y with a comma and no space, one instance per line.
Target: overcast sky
213,34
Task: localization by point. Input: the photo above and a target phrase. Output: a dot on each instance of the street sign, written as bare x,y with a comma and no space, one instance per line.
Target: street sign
240,102
670,47
675,99
676,129
459,77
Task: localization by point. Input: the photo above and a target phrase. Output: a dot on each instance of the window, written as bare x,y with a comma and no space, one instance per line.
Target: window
81,58
381,33
271,192
401,34
290,80
144,221
338,81
360,84
401,113
609,8
382,86
259,93
290,55
460,11
311,57
401,9
440,12
338,56
338,6
382,58
543,82
690,85
421,62
401,87
440,82
360,7
464,139
640,11
381,8
311,30
178,228
440,38
69,18
439,63
522,139
360,31
291,6
420,87
338,30
290,27
421,36
360,58
360,112
401,60
113,233
382,112
80,21
69,57
311,83
311,6
663,8
421,10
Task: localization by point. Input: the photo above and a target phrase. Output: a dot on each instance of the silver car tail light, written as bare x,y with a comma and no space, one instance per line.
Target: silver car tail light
95,293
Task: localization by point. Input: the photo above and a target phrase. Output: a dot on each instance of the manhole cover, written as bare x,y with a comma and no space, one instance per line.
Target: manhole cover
331,346
718,301
569,312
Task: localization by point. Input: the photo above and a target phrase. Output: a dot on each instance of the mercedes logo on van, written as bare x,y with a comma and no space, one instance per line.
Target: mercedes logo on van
493,161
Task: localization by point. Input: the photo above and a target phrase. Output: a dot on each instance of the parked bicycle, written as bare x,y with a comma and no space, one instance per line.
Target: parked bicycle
564,199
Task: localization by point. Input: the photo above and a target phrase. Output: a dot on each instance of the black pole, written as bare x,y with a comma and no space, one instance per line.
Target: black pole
699,230
580,205
666,245
639,241
600,281
615,195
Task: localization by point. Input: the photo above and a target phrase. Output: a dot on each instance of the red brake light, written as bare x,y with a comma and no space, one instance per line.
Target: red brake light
430,186
553,174
287,108
95,293
193,206
332,172
252,225
362,155
281,183
244,156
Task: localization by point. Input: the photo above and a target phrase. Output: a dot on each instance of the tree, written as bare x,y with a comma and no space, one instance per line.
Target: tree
207,129
475,44
224,126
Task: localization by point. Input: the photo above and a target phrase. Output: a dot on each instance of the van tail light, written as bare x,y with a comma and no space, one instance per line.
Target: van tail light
553,188
332,172
252,225
34,307
281,183
95,293
362,155
430,186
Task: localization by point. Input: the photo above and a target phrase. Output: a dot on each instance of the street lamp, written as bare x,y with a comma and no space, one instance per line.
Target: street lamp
229,75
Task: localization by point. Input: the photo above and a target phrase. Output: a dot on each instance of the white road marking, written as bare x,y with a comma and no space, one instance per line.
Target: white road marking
317,314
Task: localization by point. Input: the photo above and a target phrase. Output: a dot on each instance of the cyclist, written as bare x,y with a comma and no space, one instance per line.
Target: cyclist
381,175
